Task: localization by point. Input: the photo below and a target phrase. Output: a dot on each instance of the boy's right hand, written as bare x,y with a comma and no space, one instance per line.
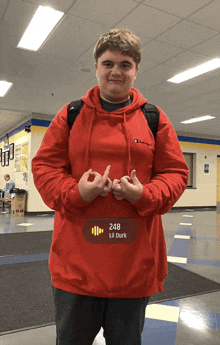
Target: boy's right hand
90,190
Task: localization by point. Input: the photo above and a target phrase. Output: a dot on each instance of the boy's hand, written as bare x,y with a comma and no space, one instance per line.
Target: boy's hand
122,189
90,190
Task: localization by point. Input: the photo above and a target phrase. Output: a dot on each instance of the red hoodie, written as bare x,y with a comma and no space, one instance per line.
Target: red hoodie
109,248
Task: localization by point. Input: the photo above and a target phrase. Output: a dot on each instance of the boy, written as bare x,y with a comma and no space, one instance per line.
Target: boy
108,252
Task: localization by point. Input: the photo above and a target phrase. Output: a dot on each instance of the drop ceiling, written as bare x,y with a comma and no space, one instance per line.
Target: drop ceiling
176,35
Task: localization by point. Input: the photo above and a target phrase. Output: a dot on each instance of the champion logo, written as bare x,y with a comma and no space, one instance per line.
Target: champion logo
140,142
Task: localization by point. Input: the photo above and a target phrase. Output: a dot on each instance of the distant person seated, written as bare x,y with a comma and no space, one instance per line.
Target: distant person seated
5,192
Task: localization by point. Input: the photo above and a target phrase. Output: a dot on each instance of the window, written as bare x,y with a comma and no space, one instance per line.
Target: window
190,158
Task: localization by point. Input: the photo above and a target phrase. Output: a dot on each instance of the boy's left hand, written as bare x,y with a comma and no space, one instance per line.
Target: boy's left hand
122,189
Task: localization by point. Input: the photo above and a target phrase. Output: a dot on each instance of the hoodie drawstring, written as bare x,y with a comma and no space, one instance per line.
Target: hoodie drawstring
128,144
87,158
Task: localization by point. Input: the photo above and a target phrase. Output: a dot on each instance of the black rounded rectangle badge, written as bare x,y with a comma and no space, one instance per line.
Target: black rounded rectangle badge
109,230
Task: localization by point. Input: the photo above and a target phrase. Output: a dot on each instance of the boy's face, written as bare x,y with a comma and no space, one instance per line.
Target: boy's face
116,74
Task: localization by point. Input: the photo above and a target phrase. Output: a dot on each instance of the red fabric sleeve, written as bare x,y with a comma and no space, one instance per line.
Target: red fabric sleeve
50,168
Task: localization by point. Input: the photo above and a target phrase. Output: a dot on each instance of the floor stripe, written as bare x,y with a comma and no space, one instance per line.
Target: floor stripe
183,237
25,258
177,259
204,238
162,312
185,223
25,224
203,262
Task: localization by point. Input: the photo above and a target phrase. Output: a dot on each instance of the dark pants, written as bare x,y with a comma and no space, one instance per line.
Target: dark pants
79,319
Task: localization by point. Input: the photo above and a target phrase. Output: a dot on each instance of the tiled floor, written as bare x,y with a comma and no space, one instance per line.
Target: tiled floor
193,242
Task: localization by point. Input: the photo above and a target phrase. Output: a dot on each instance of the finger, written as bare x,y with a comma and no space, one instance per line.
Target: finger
109,182
86,174
125,184
125,180
95,176
134,178
116,183
133,173
116,187
127,177
94,173
107,189
105,175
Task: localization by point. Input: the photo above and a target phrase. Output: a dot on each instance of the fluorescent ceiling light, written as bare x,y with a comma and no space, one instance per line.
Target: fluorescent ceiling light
39,28
4,87
194,72
198,119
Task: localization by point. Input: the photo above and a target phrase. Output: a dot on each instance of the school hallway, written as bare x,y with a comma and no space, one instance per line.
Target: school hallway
193,243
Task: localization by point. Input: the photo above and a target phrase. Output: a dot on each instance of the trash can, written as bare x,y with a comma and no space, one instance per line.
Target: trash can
18,202
5,202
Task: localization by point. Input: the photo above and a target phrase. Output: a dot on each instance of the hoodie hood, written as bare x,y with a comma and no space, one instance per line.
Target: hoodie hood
92,101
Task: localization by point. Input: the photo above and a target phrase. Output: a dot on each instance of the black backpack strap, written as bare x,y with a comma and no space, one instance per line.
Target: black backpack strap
150,111
151,114
73,111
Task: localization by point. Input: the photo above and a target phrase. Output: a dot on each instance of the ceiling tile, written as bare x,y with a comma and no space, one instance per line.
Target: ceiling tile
187,60
186,35
148,22
210,47
214,96
178,8
105,12
203,87
159,52
12,60
207,16
3,6
154,76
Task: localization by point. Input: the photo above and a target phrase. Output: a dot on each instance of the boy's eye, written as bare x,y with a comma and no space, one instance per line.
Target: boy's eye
126,65
108,64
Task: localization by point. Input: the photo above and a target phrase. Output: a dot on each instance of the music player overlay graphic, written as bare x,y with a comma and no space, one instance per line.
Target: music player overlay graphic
97,231
109,230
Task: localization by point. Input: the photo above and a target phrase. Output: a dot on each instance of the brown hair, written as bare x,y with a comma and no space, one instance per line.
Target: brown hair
119,39
8,176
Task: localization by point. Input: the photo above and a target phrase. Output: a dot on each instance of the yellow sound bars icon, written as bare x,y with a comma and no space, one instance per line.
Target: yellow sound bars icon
96,231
